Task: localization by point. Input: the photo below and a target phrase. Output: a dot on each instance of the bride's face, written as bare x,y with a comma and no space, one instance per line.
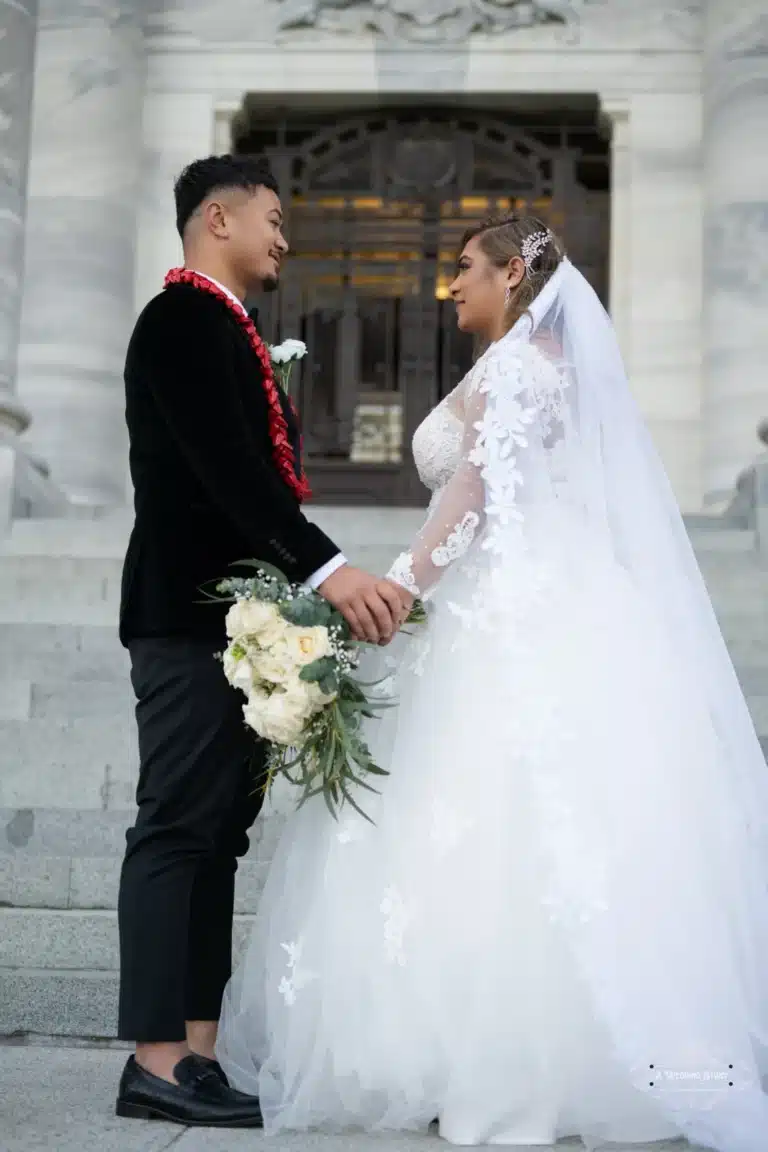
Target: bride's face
479,291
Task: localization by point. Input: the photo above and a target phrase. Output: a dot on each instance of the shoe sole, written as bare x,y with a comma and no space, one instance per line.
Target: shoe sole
143,1112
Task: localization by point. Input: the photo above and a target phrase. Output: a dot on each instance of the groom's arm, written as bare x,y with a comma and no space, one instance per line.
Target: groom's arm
183,351
185,356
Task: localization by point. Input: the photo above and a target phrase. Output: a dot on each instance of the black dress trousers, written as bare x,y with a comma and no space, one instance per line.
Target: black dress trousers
200,789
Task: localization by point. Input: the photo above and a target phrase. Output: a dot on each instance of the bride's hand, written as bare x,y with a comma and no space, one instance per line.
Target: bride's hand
406,599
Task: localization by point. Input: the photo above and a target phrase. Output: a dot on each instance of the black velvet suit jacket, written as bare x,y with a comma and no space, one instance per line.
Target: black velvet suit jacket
206,489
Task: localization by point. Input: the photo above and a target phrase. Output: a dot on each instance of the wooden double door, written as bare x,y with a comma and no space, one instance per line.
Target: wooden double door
376,208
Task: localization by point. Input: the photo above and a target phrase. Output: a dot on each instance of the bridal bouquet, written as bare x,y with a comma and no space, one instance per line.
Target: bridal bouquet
292,655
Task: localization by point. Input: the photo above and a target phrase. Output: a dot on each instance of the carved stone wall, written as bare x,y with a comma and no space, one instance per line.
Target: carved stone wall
424,20
571,25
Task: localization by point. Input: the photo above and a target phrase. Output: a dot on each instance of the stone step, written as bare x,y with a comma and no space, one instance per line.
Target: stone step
758,707
91,883
61,651
15,699
722,540
106,537
38,590
753,679
747,649
742,634
742,592
61,699
96,537
64,832
53,762
92,833
78,940
67,1003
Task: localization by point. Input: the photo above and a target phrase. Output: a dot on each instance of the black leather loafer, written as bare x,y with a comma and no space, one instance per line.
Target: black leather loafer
217,1068
200,1099
214,1064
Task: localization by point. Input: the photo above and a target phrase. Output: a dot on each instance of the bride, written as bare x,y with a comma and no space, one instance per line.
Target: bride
557,924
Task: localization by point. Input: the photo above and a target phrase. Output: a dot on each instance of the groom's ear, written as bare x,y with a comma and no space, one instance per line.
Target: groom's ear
214,213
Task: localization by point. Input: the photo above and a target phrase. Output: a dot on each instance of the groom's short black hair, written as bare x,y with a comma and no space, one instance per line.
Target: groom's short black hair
217,173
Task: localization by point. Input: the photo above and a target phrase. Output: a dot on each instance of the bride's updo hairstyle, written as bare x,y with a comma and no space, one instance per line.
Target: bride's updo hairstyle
503,237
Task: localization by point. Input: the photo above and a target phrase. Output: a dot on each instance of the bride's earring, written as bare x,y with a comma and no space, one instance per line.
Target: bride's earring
507,296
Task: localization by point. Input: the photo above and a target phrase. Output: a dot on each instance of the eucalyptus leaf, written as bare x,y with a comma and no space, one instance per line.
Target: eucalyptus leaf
302,610
350,799
262,566
363,784
318,670
329,803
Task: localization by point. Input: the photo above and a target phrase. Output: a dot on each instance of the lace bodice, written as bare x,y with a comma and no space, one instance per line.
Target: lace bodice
437,445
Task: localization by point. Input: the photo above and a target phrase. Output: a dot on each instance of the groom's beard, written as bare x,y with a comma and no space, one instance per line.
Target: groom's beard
271,284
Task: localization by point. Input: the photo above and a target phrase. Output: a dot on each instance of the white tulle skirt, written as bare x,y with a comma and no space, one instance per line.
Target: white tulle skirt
543,933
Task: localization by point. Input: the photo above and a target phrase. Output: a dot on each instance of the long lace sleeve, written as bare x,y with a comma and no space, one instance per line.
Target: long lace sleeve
482,486
456,519
513,398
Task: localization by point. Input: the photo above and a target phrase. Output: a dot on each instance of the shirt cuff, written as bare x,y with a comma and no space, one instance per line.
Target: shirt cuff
317,578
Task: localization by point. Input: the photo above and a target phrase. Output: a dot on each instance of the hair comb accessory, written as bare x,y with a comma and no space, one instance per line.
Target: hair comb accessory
533,246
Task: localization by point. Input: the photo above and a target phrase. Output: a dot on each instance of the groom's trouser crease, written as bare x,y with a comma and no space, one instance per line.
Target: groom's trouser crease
197,798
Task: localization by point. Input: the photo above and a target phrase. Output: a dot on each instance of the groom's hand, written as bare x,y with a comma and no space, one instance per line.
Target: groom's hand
371,607
405,598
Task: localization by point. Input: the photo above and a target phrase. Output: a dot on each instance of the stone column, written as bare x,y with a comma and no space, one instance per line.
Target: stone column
18,29
178,128
616,115
735,237
655,297
81,236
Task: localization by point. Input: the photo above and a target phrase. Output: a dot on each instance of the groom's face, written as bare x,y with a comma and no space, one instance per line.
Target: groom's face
258,244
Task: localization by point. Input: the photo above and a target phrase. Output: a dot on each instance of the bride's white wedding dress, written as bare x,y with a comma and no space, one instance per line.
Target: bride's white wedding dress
555,925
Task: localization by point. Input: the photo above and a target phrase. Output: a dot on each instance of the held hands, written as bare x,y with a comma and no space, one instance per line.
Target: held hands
375,609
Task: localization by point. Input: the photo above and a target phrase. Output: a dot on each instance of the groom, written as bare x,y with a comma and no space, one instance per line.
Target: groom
217,479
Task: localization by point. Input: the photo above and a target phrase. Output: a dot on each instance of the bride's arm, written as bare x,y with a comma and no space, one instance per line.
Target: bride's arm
513,400
459,515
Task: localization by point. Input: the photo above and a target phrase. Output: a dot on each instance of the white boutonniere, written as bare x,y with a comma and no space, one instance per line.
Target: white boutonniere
283,357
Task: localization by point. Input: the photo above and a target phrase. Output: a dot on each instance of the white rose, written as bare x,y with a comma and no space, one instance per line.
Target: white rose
254,710
273,666
308,696
255,618
287,351
303,646
279,717
238,669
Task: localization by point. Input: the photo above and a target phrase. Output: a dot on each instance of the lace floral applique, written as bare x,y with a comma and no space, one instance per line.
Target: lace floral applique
551,405
396,920
475,618
402,573
457,542
297,978
578,887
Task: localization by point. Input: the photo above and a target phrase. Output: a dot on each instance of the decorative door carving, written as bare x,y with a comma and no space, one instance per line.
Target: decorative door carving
377,206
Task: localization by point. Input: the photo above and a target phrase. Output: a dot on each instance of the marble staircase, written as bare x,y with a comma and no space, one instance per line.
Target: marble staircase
68,747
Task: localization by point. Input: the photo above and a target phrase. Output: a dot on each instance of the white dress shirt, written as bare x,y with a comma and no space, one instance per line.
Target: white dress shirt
322,574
